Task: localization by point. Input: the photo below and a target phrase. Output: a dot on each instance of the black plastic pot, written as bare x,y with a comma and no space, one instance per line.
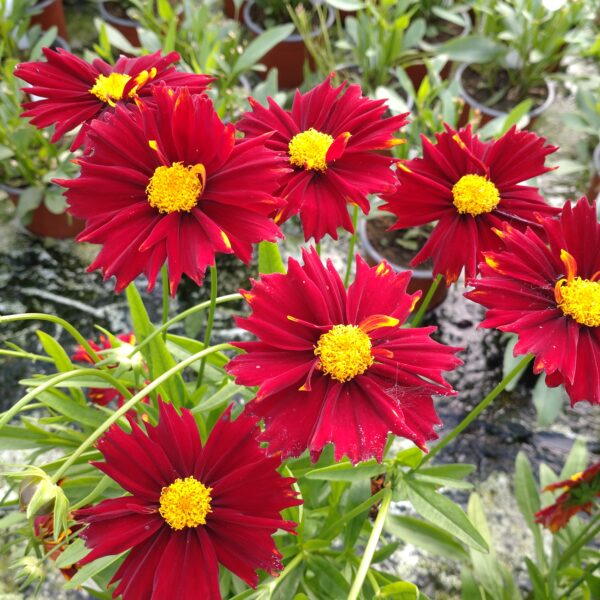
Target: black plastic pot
127,27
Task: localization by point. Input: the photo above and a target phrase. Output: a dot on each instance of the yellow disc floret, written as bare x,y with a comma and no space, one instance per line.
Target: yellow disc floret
344,352
475,195
580,299
309,149
176,188
185,503
110,89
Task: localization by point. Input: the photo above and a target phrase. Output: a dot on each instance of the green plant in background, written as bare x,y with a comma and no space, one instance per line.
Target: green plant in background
585,119
15,35
444,19
275,12
517,44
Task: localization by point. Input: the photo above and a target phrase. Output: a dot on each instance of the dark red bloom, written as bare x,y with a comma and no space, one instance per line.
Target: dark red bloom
335,366
580,493
329,138
75,92
189,509
173,184
104,396
549,295
43,529
469,187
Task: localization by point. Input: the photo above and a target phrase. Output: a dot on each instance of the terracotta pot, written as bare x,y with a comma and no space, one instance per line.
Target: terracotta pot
52,13
127,27
46,224
421,278
229,9
487,113
594,188
288,56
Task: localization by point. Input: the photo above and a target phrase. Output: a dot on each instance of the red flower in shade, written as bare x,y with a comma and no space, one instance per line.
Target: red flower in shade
329,137
190,508
550,296
104,396
172,183
75,92
581,490
469,187
43,529
335,365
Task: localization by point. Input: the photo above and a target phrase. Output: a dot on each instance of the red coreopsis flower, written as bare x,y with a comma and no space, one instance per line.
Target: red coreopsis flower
469,187
74,92
104,396
329,138
335,366
189,509
549,295
581,490
172,183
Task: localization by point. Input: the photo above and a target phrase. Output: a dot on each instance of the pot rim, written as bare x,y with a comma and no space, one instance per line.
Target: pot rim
410,101
40,5
467,28
486,110
106,16
295,37
366,244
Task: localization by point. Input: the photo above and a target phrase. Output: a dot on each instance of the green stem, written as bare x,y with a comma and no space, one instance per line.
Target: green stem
351,246
210,321
165,303
180,317
575,585
477,410
416,321
58,321
365,563
589,533
318,248
132,402
16,408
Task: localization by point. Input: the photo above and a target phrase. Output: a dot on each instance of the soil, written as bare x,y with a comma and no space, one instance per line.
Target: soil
384,242
258,15
475,87
444,31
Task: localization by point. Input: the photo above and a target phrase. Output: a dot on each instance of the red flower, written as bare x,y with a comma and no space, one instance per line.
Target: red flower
329,137
335,366
75,92
104,396
189,509
469,187
172,183
581,489
43,529
550,296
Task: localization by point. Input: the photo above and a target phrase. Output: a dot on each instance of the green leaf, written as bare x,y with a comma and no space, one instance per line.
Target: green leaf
470,590
449,471
410,457
399,590
576,461
260,46
471,49
73,553
329,576
346,4
91,569
510,361
548,401
526,490
269,259
425,535
516,114
155,352
440,510
76,413
29,200
346,471
537,580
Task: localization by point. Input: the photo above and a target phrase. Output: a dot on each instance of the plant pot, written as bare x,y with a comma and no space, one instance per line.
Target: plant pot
52,13
229,9
421,278
288,56
127,27
488,113
594,188
46,224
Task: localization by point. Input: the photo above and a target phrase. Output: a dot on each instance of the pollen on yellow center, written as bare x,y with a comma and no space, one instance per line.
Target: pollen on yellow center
580,299
475,195
176,188
309,149
110,89
344,352
185,503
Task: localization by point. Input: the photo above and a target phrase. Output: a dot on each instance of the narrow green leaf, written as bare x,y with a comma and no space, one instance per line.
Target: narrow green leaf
260,46
576,461
471,49
346,471
400,590
538,580
526,490
88,571
269,259
329,576
73,553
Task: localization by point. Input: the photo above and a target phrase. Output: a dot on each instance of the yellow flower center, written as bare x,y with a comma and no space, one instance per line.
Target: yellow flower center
309,149
580,299
185,503
475,195
344,352
176,188
110,89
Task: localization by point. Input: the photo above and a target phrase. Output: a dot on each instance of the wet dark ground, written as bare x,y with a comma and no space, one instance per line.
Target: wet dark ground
49,276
